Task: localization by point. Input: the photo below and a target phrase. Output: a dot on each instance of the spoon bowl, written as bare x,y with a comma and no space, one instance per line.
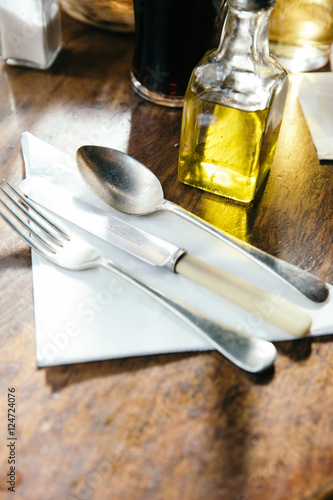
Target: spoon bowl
130,187
120,180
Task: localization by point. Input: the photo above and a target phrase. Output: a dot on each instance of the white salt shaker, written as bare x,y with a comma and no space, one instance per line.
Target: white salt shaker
30,32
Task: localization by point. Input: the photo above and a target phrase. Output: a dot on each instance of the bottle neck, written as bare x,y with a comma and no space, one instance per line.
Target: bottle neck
245,34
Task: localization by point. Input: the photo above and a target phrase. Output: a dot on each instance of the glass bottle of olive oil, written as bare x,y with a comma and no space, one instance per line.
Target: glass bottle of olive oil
233,107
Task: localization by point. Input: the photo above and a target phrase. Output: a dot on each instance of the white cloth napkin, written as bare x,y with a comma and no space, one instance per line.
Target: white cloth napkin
316,99
93,315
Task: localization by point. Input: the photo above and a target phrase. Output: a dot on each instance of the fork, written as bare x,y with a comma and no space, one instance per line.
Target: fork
48,236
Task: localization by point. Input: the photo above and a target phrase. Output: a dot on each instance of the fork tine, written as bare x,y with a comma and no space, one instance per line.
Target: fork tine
29,215
28,239
38,243
59,231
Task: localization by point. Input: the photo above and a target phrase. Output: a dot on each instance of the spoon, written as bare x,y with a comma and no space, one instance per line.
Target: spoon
130,187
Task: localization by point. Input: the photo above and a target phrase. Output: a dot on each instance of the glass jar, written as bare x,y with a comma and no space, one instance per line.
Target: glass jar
233,107
301,33
30,32
114,15
171,36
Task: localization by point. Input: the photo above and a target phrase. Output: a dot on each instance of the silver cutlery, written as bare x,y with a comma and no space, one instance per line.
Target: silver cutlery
49,237
158,252
130,187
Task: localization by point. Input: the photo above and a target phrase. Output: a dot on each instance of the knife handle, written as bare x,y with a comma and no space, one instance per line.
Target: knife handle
260,303
305,283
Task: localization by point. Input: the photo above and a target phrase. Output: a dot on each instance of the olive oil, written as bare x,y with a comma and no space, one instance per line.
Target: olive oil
224,150
233,107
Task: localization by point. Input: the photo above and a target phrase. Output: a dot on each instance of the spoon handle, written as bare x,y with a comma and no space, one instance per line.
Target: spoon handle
305,283
249,353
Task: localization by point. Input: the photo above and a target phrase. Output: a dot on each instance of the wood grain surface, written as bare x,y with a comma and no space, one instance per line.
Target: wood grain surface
176,426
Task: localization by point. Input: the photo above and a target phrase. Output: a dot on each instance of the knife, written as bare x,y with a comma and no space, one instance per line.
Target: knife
158,252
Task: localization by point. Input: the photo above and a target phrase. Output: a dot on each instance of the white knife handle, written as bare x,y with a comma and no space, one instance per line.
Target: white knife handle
276,311
307,284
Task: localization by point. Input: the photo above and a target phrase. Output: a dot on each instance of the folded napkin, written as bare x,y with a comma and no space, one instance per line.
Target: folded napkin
94,315
316,98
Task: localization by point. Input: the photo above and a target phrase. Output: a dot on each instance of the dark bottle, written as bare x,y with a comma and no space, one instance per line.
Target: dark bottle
171,37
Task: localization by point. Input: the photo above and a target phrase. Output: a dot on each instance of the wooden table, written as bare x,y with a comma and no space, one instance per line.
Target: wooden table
176,426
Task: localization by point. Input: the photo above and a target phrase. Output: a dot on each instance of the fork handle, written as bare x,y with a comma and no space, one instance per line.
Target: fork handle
251,354
263,305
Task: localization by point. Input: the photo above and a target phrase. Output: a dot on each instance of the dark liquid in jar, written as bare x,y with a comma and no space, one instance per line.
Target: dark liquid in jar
171,38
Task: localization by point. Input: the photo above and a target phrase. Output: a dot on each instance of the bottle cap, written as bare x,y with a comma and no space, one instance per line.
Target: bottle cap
251,4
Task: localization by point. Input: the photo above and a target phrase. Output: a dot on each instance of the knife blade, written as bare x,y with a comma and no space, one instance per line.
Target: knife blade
158,252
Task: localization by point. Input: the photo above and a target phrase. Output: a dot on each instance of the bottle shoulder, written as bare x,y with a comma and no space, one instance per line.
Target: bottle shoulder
244,83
